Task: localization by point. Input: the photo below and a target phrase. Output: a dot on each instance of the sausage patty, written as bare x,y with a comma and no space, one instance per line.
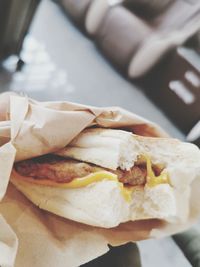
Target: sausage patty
64,170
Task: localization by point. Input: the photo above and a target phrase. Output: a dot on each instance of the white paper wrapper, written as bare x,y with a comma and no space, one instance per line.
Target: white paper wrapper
8,244
40,128
7,156
48,240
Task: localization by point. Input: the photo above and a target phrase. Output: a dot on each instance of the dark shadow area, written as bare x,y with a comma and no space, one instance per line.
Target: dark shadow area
126,255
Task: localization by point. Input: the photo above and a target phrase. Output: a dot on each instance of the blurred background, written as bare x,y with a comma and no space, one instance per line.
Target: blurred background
141,55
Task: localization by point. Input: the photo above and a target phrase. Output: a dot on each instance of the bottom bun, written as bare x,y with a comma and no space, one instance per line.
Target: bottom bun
102,204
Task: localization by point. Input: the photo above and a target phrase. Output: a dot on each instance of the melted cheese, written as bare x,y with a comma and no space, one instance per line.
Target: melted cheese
153,180
126,192
81,182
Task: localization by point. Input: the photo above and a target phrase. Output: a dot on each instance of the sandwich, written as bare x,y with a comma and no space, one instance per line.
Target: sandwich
105,177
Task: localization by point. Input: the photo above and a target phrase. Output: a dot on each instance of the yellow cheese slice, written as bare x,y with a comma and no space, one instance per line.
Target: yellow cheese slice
81,182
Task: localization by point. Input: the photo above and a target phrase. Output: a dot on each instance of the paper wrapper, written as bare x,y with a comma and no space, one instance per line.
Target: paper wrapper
45,239
8,244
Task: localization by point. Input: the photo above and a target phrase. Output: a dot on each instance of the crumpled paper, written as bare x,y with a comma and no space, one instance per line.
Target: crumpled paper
45,239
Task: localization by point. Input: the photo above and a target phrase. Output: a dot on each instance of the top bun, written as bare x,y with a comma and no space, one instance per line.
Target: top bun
111,148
